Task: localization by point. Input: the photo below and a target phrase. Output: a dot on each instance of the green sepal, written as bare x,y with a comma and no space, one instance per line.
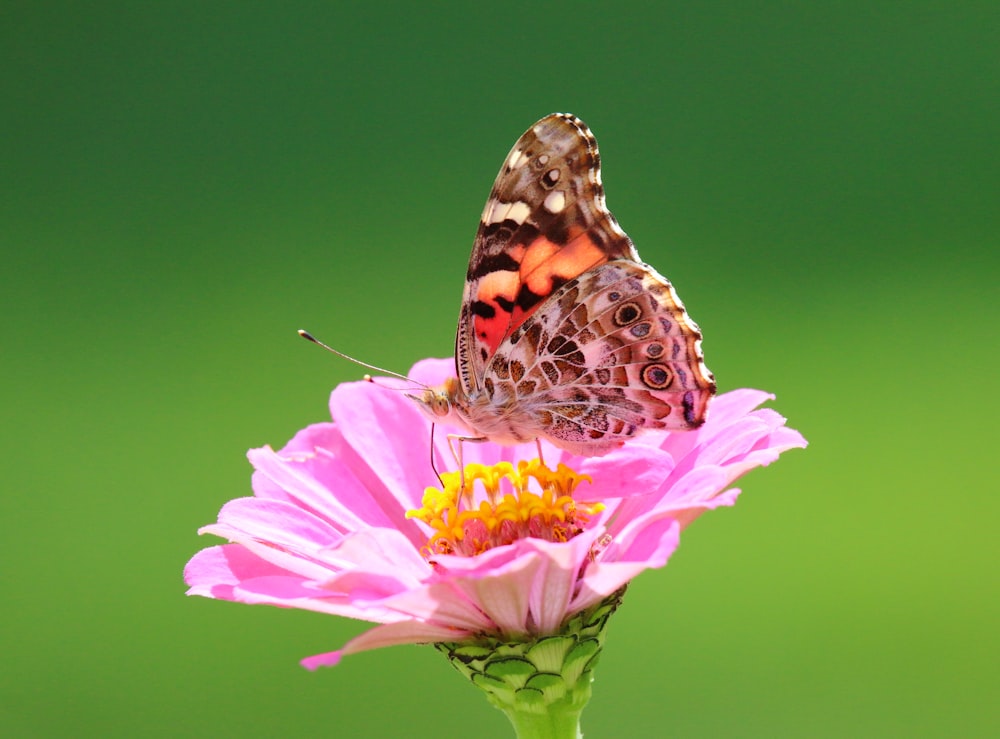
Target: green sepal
541,683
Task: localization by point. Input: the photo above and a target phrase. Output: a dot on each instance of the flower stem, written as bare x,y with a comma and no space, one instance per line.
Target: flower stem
551,724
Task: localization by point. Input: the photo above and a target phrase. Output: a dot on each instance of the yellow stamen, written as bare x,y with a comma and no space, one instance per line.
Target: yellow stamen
534,502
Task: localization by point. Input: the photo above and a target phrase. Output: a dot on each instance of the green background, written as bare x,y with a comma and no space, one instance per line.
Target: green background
183,185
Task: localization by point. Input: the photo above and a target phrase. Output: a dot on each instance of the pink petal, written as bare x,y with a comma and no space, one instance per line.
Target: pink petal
213,572
631,470
306,477
385,551
388,635
552,592
441,602
504,598
404,632
327,659
397,463
231,572
684,515
297,593
277,532
650,544
725,408
278,522
430,372
497,581
285,591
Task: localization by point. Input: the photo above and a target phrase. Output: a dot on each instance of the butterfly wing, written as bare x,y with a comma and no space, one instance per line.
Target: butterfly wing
544,224
613,352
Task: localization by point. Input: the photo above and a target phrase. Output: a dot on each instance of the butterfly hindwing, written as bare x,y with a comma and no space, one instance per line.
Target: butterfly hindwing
612,352
545,223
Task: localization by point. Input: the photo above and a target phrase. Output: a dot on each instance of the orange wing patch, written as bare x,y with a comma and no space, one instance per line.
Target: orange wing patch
557,263
505,299
493,306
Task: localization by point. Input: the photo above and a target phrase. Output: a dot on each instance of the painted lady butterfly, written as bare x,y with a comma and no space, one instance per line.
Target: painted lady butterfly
564,333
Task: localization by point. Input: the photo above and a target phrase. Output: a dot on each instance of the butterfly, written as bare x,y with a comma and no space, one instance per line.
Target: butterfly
564,333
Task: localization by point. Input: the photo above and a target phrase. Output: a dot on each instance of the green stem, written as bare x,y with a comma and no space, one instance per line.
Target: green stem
552,724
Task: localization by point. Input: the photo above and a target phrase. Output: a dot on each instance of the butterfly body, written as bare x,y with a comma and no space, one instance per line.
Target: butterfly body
564,333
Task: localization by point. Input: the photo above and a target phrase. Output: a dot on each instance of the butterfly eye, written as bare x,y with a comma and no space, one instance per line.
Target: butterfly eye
440,404
435,401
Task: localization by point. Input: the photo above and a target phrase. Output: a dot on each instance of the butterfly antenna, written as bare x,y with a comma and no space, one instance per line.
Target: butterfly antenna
309,337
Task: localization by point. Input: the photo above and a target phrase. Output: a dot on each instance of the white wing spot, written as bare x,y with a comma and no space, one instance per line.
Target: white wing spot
497,212
518,212
488,209
555,201
516,159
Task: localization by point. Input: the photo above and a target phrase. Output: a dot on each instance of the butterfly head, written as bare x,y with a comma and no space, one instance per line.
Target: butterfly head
441,401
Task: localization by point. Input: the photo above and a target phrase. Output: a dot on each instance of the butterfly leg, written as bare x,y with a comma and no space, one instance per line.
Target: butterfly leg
452,438
433,465
538,445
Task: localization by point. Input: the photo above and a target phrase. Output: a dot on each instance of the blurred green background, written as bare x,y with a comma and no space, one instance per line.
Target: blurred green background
183,185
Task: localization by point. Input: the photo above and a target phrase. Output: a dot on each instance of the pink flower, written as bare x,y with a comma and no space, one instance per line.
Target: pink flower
328,527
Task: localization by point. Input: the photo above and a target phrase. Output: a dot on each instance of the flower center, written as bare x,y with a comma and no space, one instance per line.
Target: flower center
508,504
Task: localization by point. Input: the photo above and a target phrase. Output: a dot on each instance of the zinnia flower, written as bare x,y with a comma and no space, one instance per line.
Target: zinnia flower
349,518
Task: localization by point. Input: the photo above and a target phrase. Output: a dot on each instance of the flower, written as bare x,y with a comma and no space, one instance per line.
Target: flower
349,518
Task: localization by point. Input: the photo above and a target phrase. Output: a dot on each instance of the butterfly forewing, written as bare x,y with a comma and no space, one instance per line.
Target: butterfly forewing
544,224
